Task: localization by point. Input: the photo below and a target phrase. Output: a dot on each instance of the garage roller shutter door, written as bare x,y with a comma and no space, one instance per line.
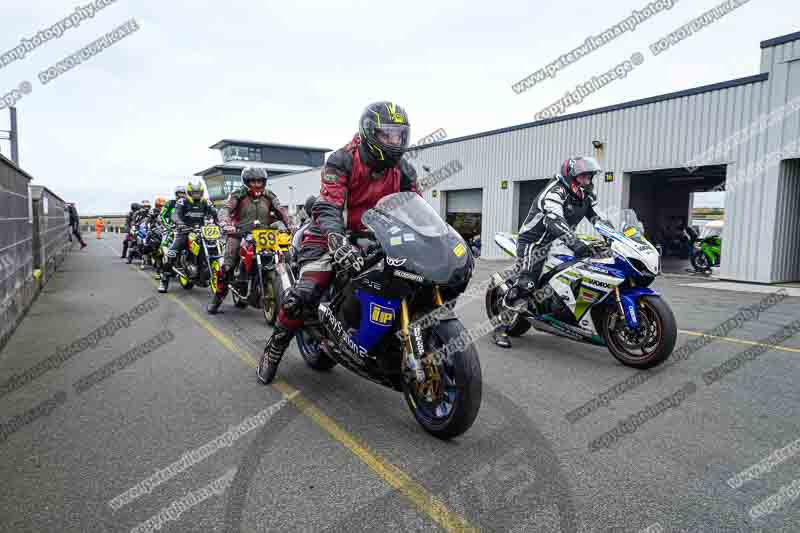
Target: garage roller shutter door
467,201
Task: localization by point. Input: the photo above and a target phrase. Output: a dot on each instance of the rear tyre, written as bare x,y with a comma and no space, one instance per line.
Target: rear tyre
518,327
652,345
277,286
448,406
241,303
312,353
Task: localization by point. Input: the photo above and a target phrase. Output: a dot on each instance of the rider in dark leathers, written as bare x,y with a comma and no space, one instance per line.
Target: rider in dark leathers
165,219
135,207
564,202
189,211
154,216
354,179
142,214
245,205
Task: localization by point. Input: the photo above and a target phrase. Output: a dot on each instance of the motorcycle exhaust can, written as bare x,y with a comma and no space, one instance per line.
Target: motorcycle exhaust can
500,283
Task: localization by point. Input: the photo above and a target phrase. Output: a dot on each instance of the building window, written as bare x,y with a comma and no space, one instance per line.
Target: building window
230,184
241,153
214,190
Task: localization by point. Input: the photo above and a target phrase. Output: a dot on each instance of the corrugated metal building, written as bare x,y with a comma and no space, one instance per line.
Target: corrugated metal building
740,136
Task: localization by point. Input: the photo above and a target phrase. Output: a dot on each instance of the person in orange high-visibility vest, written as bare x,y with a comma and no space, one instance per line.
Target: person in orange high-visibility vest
98,226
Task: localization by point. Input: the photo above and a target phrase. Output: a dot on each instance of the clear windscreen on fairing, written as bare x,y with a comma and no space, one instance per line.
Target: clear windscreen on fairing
414,236
630,241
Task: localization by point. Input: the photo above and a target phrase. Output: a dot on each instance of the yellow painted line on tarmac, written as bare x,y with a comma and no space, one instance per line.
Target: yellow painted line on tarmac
741,341
415,493
419,497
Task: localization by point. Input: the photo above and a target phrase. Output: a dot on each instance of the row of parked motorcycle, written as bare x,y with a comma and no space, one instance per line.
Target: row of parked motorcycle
392,323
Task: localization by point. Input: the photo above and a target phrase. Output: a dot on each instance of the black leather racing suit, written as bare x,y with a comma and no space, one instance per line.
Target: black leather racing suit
128,226
554,214
187,212
132,223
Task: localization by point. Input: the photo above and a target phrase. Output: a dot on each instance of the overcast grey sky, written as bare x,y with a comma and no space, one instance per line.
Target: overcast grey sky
137,119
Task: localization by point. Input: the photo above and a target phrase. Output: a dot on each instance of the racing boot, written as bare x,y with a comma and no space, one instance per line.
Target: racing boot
216,300
501,337
164,285
273,352
222,290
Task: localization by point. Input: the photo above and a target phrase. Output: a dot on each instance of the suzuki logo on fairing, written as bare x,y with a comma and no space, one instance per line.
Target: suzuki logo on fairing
391,261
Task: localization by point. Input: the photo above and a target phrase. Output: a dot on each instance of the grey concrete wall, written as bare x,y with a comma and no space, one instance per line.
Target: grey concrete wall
51,231
17,287
33,243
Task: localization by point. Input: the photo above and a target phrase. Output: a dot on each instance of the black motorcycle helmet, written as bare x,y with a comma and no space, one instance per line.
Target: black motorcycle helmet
579,173
250,178
310,201
135,206
384,132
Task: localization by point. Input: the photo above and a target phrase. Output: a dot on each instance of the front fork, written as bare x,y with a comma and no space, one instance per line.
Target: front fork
413,340
259,277
628,301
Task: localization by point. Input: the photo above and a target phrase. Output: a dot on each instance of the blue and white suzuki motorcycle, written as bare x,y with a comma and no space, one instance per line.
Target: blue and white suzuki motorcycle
603,300
378,324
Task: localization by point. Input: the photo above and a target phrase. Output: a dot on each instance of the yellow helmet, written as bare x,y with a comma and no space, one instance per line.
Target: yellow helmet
194,191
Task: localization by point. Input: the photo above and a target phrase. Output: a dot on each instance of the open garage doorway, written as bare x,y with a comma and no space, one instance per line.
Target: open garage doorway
675,205
527,193
464,208
786,260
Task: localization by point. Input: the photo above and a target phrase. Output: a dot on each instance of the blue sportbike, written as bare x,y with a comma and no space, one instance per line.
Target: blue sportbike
389,323
604,300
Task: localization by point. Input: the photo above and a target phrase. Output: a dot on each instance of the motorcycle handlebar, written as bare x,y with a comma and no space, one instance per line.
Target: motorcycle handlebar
187,227
244,228
373,259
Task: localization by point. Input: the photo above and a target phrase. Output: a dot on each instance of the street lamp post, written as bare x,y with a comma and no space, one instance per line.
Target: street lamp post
12,135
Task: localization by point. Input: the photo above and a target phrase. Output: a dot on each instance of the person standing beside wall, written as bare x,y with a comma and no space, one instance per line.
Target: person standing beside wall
75,223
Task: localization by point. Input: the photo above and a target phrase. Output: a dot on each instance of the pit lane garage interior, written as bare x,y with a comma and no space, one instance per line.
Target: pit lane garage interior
527,191
787,223
464,208
666,201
